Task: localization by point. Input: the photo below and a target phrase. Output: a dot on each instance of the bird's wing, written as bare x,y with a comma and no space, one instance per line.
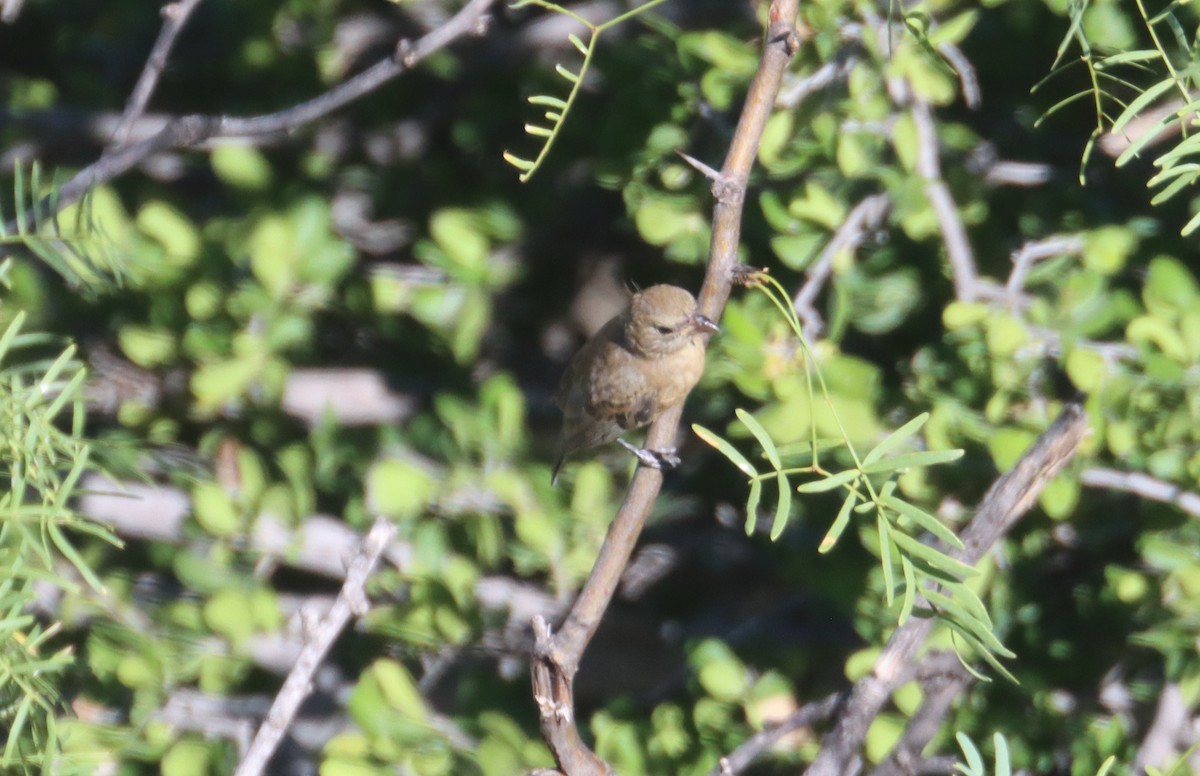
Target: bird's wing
617,389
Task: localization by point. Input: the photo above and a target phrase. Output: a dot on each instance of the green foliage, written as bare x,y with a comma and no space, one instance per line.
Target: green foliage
1123,89
1002,765
69,242
870,488
557,108
390,239
43,454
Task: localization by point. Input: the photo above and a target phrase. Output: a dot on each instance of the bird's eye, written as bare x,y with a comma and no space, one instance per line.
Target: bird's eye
663,329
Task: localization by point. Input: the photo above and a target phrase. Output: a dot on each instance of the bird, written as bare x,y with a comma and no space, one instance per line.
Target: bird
645,360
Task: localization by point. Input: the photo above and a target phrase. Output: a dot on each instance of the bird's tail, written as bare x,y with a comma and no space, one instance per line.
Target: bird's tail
557,465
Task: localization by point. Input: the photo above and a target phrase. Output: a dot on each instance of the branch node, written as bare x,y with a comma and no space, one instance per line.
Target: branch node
782,32
741,275
405,52
728,192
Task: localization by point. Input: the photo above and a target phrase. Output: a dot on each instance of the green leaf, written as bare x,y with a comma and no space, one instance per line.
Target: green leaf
895,439
398,688
923,552
983,652
399,488
830,482
783,508
974,759
11,332
839,524
726,449
1003,765
923,519
912,461
760,433
752,505
242,167
910,590
516,161
214,510
950,610
885,557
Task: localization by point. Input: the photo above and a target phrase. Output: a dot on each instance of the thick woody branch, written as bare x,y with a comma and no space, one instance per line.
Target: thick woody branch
1005,503
939,691
556,657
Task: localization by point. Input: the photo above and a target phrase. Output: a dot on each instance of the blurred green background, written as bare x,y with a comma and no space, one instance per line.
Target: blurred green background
370,315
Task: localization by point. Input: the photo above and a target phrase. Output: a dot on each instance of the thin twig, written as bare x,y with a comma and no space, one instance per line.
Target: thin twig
9,10
189,131
351,600
1142,485
760,743
556,657
794,92
938,691
1009,173
1038,250
866,215
175,16
967,78
954,234
1006,502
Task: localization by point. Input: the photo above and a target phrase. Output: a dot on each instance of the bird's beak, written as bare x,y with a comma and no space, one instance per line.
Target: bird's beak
702,323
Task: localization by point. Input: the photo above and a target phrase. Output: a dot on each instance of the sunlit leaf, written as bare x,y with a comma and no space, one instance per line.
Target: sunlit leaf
760,433
895,439
726,449
839,524
829,483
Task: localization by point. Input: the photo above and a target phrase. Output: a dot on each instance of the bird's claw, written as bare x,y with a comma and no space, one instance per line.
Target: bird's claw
662,460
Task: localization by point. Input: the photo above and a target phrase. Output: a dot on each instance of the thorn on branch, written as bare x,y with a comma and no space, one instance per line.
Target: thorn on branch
704,169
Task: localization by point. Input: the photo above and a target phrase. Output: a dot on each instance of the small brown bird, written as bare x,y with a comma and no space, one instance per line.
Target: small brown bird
642,362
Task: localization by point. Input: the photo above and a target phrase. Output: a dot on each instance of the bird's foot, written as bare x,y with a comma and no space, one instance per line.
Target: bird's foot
655,459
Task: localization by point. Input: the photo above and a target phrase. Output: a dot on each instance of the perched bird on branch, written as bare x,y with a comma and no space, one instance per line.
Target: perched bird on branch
642,362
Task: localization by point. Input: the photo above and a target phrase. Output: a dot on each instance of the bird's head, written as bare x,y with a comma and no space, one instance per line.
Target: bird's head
662,320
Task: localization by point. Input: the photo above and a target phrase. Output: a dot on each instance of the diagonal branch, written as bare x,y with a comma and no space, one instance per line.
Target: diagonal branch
175,16
866,215
1005,503
556,657
352,600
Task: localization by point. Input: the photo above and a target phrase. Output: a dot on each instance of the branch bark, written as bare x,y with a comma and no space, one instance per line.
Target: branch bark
175,16
352,600
556,656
